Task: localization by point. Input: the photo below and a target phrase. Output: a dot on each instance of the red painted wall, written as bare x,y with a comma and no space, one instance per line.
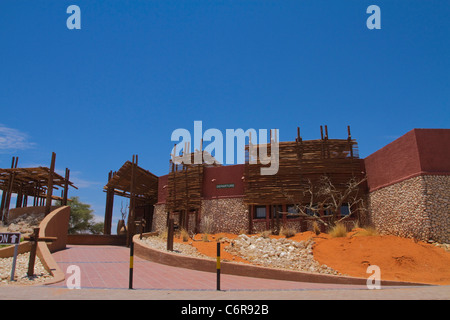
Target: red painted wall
214,176
162,188
420,151
434,149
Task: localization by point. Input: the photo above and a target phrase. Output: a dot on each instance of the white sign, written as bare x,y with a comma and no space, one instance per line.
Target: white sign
10,238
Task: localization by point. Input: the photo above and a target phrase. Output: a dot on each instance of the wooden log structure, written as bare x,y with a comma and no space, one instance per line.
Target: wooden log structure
185,185
135,183
36,182
301,162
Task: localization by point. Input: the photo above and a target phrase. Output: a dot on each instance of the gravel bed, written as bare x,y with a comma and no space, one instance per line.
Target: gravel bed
279,253
40,274
179,248
274,253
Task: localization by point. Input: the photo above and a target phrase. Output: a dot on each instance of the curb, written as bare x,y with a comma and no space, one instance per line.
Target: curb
146,252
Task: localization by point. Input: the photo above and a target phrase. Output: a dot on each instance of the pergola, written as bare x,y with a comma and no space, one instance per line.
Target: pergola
37,182
133,182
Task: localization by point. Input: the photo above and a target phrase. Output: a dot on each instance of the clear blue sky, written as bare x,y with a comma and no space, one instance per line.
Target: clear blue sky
137,70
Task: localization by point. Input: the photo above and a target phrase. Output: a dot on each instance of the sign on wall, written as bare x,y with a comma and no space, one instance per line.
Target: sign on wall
225,186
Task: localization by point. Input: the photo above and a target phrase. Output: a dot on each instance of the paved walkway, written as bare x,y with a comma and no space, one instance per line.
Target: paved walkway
108,267
105,269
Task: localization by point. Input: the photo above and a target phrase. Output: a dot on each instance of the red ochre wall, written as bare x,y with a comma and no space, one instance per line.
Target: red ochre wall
418,152
214,176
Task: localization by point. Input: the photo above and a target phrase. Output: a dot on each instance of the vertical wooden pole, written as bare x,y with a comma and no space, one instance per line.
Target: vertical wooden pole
19,198
35,195
131,224
66,187
10,188
170,235
2,205
109,207
33,252
48,203
349,139
197,221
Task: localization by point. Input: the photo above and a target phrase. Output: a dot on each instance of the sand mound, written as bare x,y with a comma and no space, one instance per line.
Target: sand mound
398,258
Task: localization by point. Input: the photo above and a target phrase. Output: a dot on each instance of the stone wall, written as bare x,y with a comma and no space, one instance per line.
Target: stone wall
159,218
216,215
418,208
438,206
227,215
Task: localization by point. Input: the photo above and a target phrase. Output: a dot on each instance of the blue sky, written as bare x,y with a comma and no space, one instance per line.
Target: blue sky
137,70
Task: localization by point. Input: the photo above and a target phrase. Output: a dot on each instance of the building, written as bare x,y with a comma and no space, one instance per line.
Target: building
237,198
401,189
409,185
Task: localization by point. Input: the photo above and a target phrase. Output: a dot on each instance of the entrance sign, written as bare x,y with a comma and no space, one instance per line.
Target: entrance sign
11,238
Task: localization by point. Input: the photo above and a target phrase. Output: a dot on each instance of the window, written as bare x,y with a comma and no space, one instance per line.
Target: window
276,209
292,211
260,212
312,211
345,210
327,211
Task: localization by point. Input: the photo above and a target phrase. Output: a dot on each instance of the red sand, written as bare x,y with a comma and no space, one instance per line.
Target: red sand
210,248
398,258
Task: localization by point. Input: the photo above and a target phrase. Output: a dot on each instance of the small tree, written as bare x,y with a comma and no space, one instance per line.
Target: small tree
81,218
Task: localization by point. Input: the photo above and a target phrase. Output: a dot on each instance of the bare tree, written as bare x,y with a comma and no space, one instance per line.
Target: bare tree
325,196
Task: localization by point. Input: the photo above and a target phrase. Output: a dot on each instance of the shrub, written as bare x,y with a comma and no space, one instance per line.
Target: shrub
163,235
316,228
287,232
184,235
266,234
338,230
368,231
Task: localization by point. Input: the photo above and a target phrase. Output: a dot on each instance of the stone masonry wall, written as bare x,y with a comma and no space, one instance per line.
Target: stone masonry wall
159,218
418,208
227,215
438,206
217,215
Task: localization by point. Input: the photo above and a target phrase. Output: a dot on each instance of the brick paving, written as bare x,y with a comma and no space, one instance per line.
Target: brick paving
104,276
108,267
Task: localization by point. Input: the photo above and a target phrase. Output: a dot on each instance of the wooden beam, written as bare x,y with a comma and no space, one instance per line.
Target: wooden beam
108,207
66,187
131,212
48,203
10,186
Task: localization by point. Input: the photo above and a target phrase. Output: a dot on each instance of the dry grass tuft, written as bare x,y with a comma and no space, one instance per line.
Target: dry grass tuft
339,230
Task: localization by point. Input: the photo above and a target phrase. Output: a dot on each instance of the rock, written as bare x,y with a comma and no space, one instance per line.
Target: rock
278,253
